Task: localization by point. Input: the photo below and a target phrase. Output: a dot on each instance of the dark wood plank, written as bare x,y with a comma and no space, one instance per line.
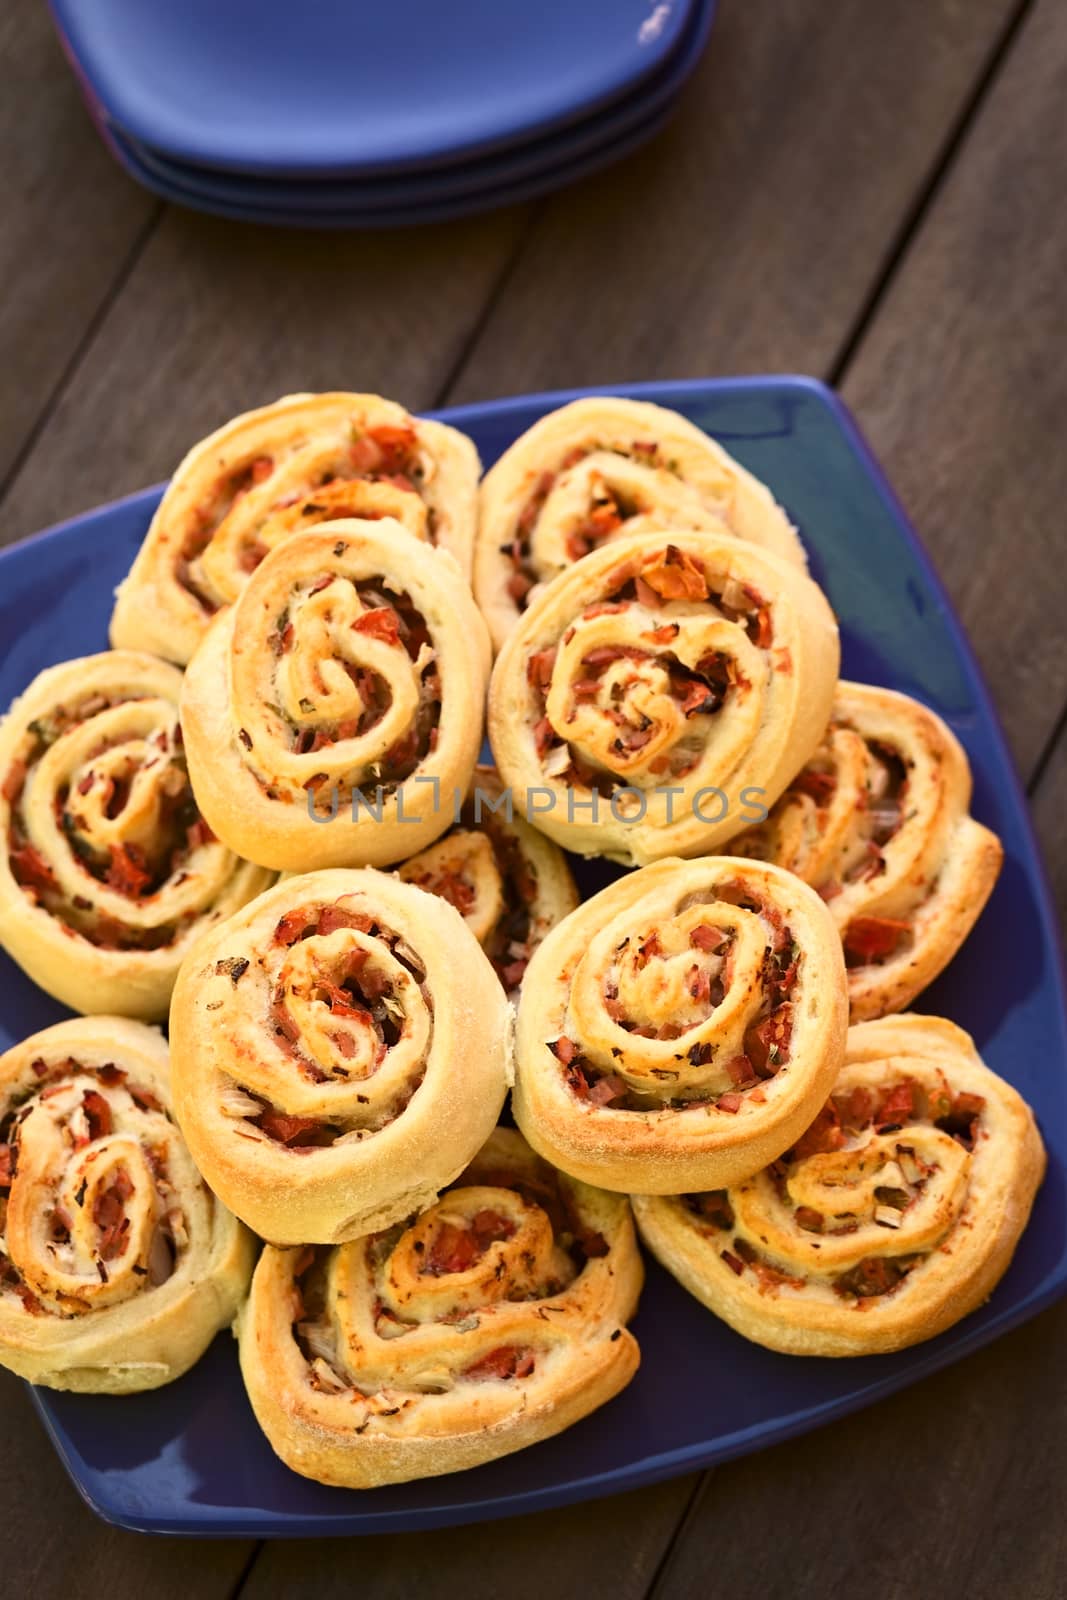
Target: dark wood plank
219,316
749,234
959,382
70,221
605,1550
952,1488
62,1549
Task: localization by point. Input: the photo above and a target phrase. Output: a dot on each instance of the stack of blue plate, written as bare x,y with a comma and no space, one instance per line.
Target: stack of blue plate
333,113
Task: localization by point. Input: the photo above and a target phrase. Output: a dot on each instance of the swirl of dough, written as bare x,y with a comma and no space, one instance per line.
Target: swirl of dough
508,882
324,1071
894,1215
599,469
108,871
308,458
688,1019
331,715
491,1319
658,690
118,1265
878,823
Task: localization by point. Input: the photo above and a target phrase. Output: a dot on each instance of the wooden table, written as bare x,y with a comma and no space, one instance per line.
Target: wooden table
867,190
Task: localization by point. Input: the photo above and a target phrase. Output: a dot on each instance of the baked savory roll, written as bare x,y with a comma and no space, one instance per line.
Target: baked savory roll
598,469
507,881
117,1264
878,822
689,1019
340,1051
661,693
332,715
306,459
108,872
486,1322
893,1216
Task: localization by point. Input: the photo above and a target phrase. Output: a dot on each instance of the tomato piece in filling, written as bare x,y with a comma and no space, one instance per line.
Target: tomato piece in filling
873,938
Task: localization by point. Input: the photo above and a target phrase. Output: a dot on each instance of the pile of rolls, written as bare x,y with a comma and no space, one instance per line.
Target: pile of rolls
417,1104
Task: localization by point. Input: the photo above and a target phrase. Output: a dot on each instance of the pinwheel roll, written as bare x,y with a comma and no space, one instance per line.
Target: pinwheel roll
332,715
340,1051
473,1328
878,823
508,882
108,872
117,1264
599,469
308,458
689,1019
662,693
894,1216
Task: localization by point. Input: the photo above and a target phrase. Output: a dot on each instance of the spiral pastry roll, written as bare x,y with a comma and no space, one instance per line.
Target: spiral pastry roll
894,1216
340,1051
661,693
507,881
108,872
487,1321
688,1019
599,469
878,823
308,458
117,1264
333,713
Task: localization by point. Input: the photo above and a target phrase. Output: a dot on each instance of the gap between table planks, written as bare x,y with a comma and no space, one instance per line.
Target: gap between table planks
954,108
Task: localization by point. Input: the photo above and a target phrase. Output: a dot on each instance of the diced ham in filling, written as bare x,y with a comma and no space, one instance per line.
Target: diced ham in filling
294,1132
508,1361
824,1135
109,1216
874,1276
457,1249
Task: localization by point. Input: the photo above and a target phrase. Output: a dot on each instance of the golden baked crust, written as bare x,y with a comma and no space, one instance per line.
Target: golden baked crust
305,459
340,1051
332,714
673,681
508,882
688,1020
878,823
491,1320
894,1216
108,872
598,469
119,1265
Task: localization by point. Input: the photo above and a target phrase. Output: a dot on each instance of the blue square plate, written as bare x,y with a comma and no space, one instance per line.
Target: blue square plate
331,88
190,1458
546,162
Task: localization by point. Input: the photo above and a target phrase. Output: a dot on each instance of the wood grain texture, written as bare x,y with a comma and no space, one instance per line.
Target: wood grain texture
218,317
951,1488
604,1550
70,221
959,382
747,236
57,1547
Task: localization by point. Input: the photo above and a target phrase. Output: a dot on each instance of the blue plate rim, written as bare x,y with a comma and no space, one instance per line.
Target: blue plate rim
510,192
923,1360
